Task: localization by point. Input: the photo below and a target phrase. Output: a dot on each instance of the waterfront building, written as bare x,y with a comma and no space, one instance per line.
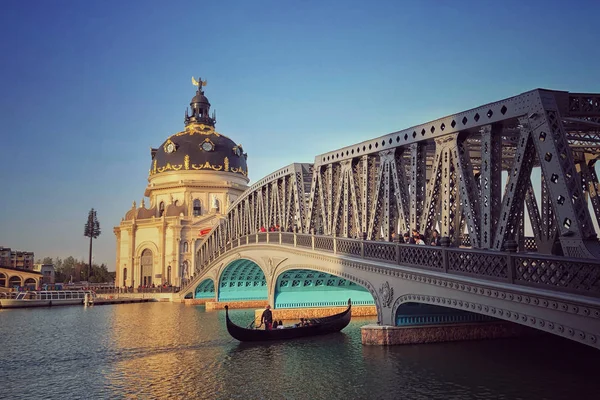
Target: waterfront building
16,259
47,271
16,269
195,174
5,256
22,260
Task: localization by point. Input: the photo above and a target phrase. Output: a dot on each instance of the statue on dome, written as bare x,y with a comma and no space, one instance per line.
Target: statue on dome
199,83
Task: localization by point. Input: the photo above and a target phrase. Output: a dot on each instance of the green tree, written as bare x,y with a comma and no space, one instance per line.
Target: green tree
47,260
92,230
65,270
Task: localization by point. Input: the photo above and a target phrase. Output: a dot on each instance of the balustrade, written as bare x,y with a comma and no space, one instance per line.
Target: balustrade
528,269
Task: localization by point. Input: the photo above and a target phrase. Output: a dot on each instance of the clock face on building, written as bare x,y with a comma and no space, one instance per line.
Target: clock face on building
207,146
169,147
238,151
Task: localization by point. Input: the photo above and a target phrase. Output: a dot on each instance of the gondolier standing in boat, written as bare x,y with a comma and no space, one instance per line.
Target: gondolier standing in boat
267,318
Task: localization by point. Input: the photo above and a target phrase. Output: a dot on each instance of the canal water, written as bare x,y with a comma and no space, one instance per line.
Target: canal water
168,350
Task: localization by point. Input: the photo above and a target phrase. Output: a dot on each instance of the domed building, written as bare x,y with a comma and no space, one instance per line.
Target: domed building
194,176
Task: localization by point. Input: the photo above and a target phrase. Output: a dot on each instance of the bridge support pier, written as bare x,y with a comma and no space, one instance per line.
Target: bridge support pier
294,314
220,305
383,335
195,302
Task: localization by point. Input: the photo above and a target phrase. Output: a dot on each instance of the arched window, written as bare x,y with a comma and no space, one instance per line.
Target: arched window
124,275
30,283
197,208
161,208
176,203
15,281
2,280
185,247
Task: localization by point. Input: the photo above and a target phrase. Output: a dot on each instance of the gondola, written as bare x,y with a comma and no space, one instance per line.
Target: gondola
322,326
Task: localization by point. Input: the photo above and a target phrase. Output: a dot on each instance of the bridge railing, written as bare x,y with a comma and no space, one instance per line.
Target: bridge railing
553,273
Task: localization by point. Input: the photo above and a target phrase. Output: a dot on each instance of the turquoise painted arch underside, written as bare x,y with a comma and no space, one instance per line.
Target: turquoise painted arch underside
205,290
299,288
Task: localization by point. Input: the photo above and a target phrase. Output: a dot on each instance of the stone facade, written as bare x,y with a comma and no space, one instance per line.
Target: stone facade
195,175
165,245
195,302
216,305
392,335
294,314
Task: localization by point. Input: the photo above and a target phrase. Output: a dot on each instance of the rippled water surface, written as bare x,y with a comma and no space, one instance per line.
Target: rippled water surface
168,350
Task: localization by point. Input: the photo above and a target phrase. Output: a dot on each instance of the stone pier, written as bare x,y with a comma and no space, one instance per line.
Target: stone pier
392,335
195,302
220,305
294,314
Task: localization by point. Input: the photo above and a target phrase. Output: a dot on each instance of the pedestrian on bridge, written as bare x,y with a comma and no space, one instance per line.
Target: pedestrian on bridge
435,238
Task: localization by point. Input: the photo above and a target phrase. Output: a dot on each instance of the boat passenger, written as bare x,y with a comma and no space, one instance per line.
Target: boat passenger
275,324
280,325
267,318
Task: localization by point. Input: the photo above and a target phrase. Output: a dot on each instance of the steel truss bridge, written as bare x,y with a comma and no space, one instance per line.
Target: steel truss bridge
468,175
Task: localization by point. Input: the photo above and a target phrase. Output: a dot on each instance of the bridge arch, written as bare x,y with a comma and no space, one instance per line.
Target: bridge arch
419,314
29,282
15,280
205,290
501,312
242,279
402,280
298,288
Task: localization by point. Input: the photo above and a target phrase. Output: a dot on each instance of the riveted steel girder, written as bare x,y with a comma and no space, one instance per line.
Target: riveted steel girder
418,182
592,185
490,181
516,188
469,194
448,172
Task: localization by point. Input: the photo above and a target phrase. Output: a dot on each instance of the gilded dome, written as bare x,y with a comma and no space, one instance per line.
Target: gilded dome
199,148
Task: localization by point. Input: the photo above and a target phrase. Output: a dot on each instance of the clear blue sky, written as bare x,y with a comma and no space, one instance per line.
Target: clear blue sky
87,87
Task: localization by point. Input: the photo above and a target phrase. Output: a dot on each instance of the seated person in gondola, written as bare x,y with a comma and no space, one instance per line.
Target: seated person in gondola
280,325
275,324
299,324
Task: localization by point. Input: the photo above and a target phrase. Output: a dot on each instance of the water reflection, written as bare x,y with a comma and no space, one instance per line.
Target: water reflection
159,350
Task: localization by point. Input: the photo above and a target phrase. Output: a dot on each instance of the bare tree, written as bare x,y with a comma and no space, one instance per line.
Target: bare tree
92,230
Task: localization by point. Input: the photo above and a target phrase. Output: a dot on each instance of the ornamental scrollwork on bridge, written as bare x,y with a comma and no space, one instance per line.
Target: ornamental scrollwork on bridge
387,294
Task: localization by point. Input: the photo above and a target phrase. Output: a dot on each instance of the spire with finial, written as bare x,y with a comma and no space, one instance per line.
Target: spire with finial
200,106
